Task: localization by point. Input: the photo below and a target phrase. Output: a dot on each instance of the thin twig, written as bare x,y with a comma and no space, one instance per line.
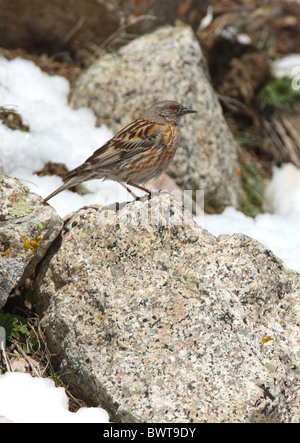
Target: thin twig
7,364
232,103
25,356
75,29
122,28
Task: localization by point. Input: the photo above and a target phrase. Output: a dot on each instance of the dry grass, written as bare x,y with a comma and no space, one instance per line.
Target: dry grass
33,357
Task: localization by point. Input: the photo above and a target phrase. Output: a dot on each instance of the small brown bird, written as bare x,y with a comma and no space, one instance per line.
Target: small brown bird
139,152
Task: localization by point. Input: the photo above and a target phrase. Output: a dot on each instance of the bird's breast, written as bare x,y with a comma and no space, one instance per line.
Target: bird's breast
172,136
166,151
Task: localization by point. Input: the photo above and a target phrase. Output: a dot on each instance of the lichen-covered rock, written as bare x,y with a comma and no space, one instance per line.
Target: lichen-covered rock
159,321
27,229
168,64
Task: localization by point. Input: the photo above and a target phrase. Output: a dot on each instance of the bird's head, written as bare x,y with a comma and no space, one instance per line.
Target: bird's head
167,111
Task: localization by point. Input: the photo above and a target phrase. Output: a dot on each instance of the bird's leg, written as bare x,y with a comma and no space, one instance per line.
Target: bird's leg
140,187
136,186
129,190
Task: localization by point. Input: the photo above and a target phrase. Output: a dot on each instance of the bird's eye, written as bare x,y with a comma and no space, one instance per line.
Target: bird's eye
173,107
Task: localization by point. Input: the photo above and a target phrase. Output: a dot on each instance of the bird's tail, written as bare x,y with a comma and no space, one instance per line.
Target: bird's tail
72,181
62,188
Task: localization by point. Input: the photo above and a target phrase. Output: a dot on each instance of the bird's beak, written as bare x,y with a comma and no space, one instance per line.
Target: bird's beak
188,111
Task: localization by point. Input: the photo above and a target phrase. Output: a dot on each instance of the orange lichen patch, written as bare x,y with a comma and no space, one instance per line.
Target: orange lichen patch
237,171
33,244
4,253
265,339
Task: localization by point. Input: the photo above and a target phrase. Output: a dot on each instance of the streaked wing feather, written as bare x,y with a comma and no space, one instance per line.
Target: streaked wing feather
137,137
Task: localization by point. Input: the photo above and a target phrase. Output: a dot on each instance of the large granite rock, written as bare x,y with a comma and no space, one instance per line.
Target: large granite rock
168,64
159,321
27,229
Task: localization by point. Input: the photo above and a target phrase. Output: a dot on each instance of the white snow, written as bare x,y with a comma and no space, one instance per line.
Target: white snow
287,66
59,133
27,399
278,230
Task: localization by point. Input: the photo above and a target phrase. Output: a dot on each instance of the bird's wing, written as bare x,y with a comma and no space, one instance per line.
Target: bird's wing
136,137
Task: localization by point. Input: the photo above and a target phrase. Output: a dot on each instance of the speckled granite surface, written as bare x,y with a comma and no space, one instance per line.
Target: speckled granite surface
162,322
